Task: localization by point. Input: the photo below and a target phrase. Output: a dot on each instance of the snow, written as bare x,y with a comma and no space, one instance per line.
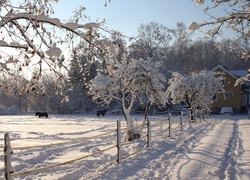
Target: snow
3,43
3,1
225,110
15,44
72,26
200,2
91,25
242,80
56,21
217,148
11,60
54,52
238,73
193,26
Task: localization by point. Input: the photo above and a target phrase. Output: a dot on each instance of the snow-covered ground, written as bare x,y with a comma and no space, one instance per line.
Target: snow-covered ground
218,148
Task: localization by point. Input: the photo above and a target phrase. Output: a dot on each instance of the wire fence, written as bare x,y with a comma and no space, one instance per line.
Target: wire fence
149,130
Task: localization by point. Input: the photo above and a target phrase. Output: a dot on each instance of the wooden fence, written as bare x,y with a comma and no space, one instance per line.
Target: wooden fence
179,121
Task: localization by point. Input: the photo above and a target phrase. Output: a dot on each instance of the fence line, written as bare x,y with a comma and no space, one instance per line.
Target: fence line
9,171
61,164
63,143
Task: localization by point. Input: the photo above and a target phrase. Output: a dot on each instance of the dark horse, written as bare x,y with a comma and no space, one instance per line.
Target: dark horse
42,114
101,112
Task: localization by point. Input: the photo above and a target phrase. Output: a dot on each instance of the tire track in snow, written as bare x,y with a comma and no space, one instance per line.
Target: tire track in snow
236,163
228,168
243,156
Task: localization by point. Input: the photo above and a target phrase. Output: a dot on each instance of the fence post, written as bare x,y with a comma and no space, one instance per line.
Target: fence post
196,116
190,116
149,133
181,120
8,169
170,125
119,155
248,115
203,115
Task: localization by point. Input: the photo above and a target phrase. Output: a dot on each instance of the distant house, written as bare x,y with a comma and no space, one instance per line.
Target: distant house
235,97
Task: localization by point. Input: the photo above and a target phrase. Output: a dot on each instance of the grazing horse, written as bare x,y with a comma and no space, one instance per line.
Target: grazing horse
42,114
101,112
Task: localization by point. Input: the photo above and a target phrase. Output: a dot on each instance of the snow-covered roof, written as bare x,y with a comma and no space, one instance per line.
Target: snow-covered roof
234,73
224,70
239,73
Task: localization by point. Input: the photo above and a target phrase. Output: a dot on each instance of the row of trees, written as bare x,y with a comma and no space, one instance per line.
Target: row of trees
129,80
32,37
175,52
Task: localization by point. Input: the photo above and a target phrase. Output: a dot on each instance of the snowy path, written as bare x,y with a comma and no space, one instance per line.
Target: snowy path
206,160
223,154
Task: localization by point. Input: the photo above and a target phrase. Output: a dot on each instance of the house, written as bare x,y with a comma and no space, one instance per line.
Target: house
236,97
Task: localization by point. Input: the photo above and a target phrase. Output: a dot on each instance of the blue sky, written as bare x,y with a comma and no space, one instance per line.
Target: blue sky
127,15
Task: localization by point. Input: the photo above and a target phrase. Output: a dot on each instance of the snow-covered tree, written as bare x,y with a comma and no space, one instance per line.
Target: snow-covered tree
195,90
125,82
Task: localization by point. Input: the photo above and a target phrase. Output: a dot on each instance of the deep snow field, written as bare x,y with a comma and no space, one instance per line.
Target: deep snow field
59,147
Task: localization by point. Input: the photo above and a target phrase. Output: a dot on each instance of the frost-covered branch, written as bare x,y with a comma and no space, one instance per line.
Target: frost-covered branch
71,27
34,40
243,79
236,18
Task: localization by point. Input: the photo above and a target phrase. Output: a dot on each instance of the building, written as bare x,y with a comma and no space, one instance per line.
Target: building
236,97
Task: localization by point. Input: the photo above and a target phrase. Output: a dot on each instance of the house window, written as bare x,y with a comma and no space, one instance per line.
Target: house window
229,94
